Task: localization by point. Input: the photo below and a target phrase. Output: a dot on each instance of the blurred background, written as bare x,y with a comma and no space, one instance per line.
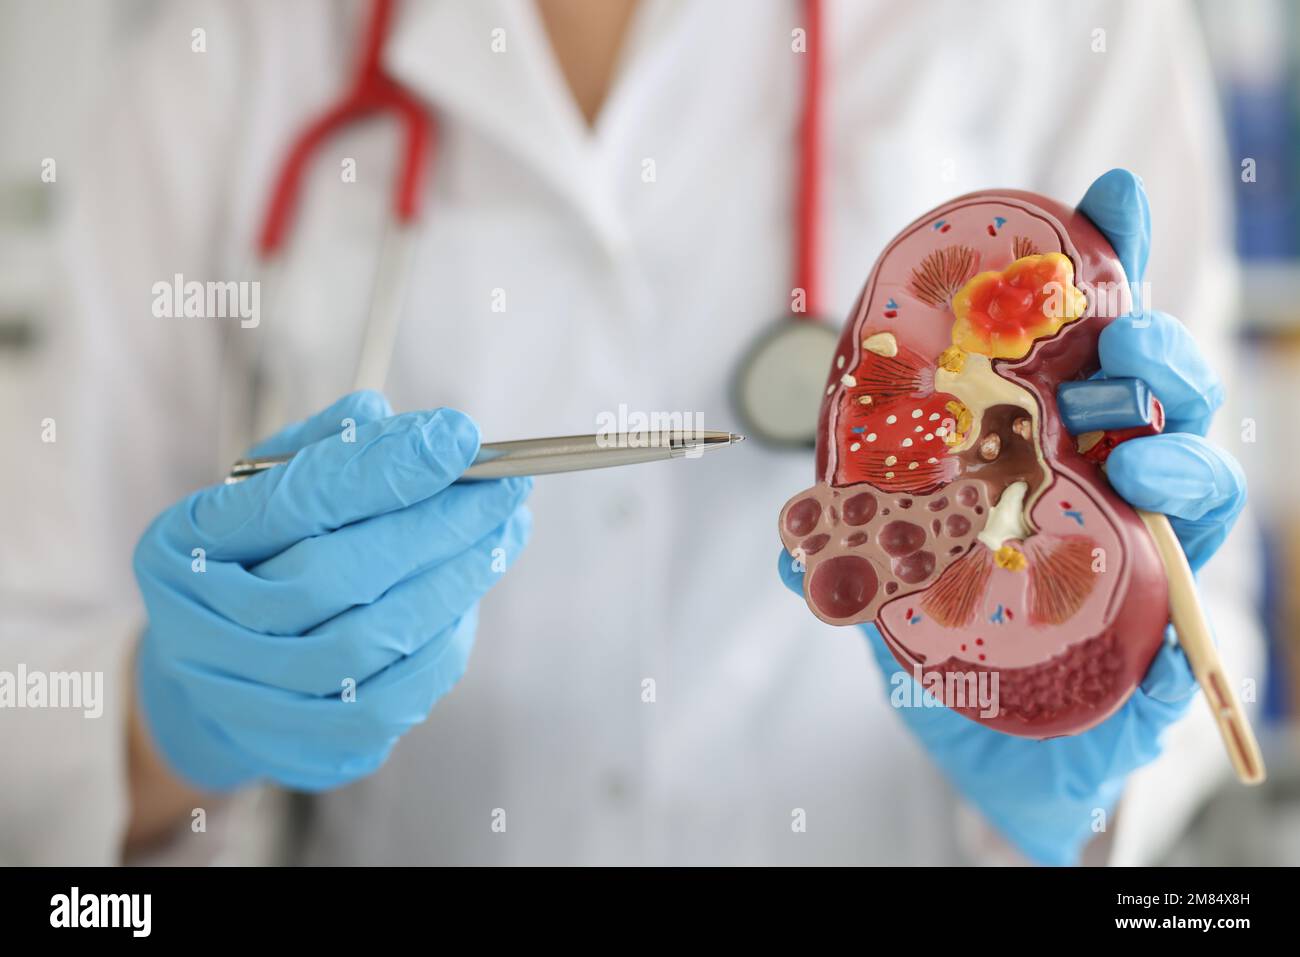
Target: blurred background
1255,49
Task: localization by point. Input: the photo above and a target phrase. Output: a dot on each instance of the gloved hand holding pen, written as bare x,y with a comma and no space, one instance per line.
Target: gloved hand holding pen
333,603
1043,795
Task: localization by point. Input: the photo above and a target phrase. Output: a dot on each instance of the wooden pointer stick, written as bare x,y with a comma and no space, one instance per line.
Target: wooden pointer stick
1197,642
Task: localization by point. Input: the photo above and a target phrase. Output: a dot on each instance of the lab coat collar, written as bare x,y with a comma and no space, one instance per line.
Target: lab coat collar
488,64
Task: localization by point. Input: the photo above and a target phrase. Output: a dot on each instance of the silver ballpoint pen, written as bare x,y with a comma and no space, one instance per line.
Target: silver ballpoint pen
568,453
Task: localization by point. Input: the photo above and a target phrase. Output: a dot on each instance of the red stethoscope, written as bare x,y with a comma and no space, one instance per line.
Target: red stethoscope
778,385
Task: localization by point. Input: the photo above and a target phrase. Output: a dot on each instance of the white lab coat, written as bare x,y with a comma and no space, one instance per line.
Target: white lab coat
617,290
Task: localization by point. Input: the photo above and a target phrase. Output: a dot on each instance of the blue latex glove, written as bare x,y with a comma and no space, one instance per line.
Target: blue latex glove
357,565
1044,796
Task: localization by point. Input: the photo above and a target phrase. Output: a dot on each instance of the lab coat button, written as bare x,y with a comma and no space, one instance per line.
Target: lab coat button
617,786
622,511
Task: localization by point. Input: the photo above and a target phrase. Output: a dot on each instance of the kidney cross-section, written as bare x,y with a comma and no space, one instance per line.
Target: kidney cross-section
951,508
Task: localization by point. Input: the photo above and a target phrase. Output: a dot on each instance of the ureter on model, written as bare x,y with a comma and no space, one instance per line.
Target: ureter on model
979,388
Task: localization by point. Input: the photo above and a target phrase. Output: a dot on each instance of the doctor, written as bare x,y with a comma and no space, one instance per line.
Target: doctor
608,224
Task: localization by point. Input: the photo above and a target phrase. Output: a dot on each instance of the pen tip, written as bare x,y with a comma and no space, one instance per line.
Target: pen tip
736,437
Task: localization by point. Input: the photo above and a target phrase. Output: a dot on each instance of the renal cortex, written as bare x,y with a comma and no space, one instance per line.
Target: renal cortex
951,507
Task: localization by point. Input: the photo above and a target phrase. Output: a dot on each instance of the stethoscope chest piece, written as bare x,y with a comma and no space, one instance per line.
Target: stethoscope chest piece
780,382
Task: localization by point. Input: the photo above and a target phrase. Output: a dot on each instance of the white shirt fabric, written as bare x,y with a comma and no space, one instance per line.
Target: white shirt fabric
617,291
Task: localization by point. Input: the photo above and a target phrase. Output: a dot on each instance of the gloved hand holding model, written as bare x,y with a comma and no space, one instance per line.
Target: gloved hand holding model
334,600
1043,795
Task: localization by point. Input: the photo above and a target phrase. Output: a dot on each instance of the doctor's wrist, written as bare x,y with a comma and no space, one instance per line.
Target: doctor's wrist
158,800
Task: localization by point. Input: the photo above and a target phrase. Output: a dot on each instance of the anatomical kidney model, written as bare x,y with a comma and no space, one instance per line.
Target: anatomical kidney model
952,508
